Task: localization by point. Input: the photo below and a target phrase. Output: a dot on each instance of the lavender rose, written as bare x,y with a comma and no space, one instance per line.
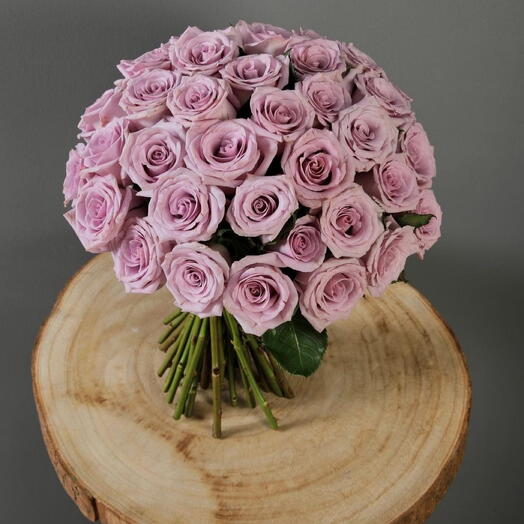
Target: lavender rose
317,55
196,276
153,152
331,291
350,222
262,38
259,295
201,97
303,249
138,255
99,212
318,166
183,208
427,235
73,177
155,59
387,257
419,152
369,133
197,51
283,113
261,206
326,94
224,152
356,58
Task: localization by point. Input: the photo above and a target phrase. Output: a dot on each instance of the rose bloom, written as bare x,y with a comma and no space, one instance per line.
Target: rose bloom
196,276
331,291
246,73
303,249
261,206
318,55
138,255
155,59
369,133
427,235
283,113
262,38
201,97
259,295
197,51
182,208
387,257
318,166
357,58
74,166
326,94
393,184
419,152
153,152
224,152
350,222
99,212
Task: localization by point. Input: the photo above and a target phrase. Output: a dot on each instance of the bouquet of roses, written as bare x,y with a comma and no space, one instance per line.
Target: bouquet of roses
268,178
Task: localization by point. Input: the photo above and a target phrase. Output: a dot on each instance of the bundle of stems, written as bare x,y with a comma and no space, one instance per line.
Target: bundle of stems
204,352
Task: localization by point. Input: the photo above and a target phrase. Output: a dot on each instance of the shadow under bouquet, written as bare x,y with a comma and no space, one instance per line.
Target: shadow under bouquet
269,178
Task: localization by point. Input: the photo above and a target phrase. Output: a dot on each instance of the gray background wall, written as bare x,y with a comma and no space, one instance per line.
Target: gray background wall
461,61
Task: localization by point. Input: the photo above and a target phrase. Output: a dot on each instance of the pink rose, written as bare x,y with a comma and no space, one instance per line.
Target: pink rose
326,94
387,257
224,152
331,291
138,255
153,152
196,276
261,206
318,55
201,97
99,212
303,249
259,295
197,51
283,113
155,59
246,73
182,208
393,184
262,38
419,152
357,58
369,133
74,166
427,235
350,222
318,165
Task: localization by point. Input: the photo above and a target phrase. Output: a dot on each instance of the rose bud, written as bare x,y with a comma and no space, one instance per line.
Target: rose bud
354,57
262,38
73,177
155,59
427,235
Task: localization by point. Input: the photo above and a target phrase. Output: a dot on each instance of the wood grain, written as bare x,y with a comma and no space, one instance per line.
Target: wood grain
375,436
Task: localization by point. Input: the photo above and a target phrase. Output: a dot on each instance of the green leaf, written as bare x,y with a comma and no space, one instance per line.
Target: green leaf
297,345
413,219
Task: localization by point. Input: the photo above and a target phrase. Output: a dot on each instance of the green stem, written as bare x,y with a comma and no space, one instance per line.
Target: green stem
190,403
216,373
281,376
175,331
172,316
250,399
176,346
230,364
205,371
263,365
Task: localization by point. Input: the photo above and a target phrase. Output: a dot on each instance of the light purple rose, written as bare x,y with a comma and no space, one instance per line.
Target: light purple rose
303,249
354,57
153,152
318,165
206,52
393,184
201,97
99,212
73,177
318,55
350,222
182,208
369,133
262,38
224,152
387,257
261,206
138,254
155,59
259,295
326,94
196,276
246,73
427,235
419,152
330,292
286,114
